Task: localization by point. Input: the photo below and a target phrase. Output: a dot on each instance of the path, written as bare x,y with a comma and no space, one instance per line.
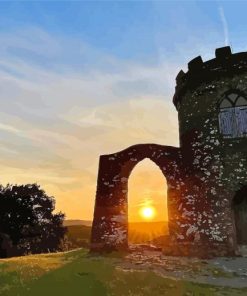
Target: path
231,272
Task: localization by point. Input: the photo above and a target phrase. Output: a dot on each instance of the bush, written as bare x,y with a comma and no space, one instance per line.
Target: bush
27,220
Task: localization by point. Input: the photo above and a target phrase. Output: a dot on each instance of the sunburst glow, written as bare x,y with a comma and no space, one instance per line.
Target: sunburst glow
147,213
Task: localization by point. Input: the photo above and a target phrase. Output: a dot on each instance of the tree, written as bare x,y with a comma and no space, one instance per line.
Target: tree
26,217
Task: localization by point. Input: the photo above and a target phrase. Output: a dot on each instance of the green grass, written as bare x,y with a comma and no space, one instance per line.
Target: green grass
77,273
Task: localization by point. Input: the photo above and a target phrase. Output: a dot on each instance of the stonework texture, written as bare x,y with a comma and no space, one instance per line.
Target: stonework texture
204,175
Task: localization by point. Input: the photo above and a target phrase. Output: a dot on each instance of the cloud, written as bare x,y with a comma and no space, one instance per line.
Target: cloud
224,24
63,103
57,119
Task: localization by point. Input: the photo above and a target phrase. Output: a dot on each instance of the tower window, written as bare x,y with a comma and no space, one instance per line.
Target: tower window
233,116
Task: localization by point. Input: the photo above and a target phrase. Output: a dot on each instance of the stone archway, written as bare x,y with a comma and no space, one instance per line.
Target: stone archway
110,224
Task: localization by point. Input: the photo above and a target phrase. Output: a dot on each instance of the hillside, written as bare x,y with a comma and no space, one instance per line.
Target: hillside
76,273
77,222
78,236
139,232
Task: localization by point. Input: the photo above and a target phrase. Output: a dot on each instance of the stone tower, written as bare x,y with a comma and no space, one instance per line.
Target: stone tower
206,175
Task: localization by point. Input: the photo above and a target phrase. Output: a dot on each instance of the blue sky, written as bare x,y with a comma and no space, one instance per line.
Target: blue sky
136,30
80,79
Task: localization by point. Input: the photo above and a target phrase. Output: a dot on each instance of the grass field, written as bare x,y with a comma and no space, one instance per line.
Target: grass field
76,273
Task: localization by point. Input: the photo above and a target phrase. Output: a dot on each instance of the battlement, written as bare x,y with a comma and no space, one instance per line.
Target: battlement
224,64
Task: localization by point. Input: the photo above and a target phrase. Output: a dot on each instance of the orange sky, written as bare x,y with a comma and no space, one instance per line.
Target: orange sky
66,96
74,186
55,124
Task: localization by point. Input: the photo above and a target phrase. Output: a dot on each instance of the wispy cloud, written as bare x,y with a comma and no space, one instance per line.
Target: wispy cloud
225,25
63,103
56,120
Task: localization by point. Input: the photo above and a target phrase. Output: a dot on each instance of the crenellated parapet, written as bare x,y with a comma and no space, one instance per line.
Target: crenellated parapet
224,64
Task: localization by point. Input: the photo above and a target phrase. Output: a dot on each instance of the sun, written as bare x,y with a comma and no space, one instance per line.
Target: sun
147,213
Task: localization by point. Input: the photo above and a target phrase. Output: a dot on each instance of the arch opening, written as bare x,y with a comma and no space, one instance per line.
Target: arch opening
147,204
240,215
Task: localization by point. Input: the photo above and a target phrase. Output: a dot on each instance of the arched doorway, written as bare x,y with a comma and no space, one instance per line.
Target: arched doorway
147,204
110,223
240,215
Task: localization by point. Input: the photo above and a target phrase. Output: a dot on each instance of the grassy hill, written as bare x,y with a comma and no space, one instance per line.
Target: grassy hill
77,222
76,273
78,236
139,232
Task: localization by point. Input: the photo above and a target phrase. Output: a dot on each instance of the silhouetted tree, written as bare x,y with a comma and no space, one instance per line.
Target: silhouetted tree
27,219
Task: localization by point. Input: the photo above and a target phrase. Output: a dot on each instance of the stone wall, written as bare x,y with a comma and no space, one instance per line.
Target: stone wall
218,164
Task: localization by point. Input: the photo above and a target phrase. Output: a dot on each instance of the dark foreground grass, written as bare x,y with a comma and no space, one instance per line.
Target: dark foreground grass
76,273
